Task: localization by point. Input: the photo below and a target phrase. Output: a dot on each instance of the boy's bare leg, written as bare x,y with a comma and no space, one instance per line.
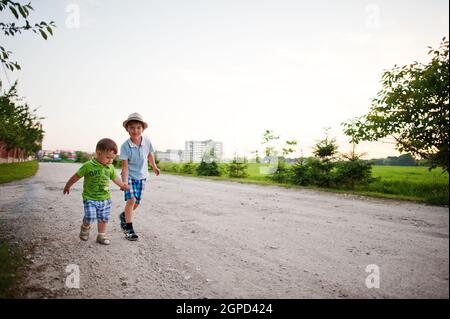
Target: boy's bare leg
101,226
129,207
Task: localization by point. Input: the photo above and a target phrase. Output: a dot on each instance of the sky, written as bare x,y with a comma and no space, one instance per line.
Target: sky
225,70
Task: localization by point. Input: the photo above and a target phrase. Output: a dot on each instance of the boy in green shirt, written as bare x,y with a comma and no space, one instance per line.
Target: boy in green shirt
96,196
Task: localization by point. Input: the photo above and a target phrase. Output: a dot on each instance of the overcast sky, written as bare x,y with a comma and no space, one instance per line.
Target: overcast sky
224,70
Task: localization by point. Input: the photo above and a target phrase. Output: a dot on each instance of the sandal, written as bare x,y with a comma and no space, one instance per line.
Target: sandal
103,239
84,232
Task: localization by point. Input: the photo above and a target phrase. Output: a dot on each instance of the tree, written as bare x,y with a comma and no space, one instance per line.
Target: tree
209,155
352,155
237,168
21,14
413,108
326,149
268,137
287,149
317,170
257,158
21,128
208,169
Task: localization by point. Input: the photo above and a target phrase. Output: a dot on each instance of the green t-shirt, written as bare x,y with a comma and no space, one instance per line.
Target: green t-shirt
96,180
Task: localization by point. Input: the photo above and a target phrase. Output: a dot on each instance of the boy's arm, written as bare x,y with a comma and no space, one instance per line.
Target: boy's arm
125,172
75,178
151,159
121,184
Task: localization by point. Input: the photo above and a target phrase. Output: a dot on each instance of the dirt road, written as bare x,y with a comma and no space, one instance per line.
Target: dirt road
214,239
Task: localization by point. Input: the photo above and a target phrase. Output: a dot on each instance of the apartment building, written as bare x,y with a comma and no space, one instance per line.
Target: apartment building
194,151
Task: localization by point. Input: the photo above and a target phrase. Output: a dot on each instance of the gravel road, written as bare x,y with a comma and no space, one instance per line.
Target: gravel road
214,239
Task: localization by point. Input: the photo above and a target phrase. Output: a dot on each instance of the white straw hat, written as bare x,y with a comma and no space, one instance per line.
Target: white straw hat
135,117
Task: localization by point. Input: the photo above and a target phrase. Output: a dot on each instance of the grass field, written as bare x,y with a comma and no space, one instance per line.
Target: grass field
410,173
13,171
415,183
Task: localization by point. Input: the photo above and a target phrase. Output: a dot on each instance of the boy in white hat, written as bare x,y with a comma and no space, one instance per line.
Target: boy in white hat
135,154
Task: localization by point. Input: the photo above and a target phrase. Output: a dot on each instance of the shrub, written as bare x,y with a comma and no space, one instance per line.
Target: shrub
283,174
208,169
349,174
237,169
188,168
312,171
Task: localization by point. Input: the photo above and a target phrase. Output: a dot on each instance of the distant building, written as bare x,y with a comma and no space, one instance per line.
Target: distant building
174,156
194,151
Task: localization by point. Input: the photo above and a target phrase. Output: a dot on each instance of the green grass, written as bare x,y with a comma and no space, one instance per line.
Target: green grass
14,171
11,261
413,183
11,258
410,174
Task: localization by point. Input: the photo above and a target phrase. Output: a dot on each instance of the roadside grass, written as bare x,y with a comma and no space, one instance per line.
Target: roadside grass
417,182
412,183
11,263
11,257
14,171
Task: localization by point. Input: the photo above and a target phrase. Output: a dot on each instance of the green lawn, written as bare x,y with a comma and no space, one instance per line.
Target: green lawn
415,183
410,173
13,171
411,182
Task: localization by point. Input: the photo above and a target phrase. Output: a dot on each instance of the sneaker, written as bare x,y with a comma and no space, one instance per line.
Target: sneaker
131,235
84,232
102,239
123,224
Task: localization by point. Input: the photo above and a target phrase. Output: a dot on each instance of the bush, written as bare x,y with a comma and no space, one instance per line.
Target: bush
284,174
237,169
349,174
312,171
188,168
169,167
208,169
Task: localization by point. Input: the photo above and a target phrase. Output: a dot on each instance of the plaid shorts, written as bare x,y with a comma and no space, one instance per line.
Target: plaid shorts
137,187
97,210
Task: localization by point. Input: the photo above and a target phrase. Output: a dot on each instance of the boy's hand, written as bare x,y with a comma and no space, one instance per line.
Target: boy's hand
66,190
125,187
156,171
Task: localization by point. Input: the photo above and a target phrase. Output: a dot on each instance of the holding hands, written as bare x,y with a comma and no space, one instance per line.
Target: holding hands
124,187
